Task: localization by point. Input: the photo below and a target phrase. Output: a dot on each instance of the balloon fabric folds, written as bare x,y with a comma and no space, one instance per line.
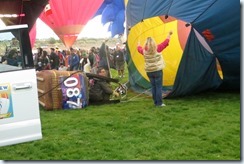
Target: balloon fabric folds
68,17
113,12
204,50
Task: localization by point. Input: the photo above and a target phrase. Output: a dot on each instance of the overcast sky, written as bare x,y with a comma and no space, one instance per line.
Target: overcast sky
93,29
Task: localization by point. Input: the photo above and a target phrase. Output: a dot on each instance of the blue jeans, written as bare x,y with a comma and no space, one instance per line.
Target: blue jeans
156,79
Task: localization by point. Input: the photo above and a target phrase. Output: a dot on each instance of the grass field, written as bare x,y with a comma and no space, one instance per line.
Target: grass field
200,127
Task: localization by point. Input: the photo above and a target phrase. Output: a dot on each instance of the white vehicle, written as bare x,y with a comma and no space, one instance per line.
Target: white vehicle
19,108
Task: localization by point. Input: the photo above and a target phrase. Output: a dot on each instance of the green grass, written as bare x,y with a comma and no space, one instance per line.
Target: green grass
200,127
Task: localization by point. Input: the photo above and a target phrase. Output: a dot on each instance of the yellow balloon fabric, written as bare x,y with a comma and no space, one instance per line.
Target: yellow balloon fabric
156,28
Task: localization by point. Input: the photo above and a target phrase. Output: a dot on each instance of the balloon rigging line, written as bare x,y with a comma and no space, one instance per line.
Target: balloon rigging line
136,96
203,11
144,10
169,8
129,23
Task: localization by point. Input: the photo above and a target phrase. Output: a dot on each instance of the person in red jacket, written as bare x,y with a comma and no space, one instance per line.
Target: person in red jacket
154,64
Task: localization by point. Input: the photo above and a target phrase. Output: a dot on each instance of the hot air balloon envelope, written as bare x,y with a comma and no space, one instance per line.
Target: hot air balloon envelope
68,17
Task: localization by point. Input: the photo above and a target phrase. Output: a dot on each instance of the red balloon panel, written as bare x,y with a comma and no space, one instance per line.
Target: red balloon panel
68,17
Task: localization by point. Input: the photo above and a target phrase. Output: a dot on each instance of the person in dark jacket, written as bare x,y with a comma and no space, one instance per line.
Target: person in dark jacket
101,91
119,60
12,57
54,59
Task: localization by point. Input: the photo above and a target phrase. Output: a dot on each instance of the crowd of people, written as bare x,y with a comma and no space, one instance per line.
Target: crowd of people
80,59
98,61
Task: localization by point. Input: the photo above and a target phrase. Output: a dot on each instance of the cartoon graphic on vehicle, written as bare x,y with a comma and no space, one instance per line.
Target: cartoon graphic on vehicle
5,102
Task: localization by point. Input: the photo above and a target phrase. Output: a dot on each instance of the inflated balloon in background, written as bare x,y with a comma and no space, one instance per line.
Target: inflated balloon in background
67,18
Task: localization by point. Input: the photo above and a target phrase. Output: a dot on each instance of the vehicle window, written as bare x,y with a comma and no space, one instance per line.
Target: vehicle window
10,56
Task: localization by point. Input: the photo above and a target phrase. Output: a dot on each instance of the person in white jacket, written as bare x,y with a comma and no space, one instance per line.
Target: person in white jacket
85,64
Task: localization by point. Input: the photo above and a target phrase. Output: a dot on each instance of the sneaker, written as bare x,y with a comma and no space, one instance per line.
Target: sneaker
160,105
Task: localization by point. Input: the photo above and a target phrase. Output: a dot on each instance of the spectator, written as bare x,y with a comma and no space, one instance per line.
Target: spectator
37,57
101,91
62,67
54,59
119,60
73,60
85,64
